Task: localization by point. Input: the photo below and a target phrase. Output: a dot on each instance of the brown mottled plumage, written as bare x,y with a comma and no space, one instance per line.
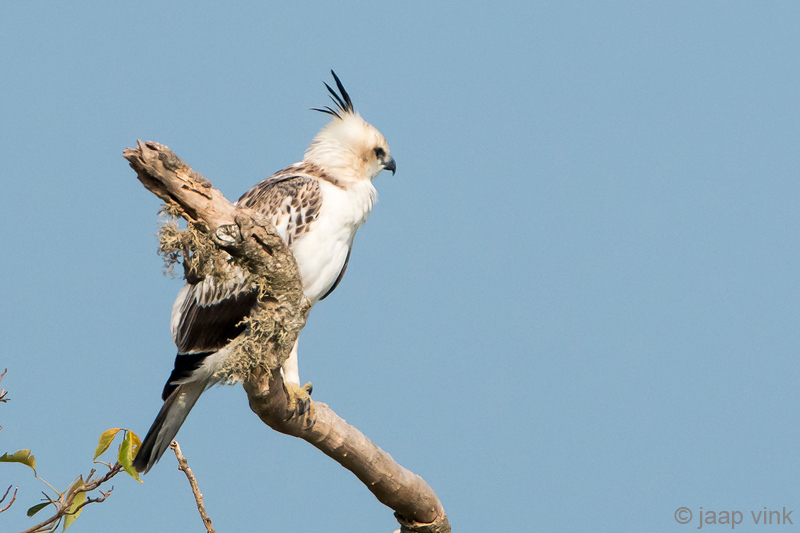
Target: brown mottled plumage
291,200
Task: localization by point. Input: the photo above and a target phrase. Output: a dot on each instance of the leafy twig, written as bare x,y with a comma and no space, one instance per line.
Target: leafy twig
69,504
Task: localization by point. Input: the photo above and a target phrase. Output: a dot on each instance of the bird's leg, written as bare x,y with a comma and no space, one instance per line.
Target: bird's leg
291,374
299,397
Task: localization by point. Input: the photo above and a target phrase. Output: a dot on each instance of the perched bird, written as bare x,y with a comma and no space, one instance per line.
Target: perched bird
317,205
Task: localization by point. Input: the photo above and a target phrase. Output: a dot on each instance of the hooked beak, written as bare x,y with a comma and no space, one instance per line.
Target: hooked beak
390,165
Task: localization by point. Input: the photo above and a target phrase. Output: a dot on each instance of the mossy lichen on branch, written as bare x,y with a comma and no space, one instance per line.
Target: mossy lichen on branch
272,324
193,247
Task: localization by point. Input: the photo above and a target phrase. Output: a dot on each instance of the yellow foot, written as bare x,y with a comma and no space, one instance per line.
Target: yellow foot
300,403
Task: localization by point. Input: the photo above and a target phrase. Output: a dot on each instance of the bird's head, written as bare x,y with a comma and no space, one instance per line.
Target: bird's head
348,147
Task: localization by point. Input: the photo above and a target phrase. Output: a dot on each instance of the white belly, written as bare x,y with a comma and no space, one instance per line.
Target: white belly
321,256
322,251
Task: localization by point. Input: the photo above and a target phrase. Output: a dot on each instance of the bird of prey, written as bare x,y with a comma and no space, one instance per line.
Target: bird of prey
317,205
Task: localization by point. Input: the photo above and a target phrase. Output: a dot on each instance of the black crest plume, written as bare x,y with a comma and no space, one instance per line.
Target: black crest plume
341,99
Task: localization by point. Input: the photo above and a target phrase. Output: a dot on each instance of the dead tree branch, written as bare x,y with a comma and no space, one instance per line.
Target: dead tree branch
3,392
251,239
183,466
3,399
13,498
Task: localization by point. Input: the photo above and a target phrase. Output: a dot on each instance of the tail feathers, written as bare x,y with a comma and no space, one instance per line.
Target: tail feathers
167,423
185,365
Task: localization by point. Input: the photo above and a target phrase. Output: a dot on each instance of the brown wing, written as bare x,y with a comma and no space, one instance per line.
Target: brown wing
291,200
206,316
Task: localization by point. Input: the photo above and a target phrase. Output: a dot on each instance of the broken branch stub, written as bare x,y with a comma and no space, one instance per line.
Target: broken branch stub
245,236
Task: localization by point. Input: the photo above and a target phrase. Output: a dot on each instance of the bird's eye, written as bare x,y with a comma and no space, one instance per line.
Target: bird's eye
380,153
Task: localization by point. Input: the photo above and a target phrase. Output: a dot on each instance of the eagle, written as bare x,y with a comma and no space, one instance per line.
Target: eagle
316,205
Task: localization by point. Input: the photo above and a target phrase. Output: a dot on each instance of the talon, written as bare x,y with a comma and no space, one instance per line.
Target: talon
304,406
300,403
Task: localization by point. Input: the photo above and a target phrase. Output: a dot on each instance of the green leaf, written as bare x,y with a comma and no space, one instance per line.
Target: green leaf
21,456
36,508
105,441
126,456
80,497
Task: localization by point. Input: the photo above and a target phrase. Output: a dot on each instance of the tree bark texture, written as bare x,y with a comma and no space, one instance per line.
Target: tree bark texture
246,234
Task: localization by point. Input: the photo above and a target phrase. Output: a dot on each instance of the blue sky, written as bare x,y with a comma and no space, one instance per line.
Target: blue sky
575,307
